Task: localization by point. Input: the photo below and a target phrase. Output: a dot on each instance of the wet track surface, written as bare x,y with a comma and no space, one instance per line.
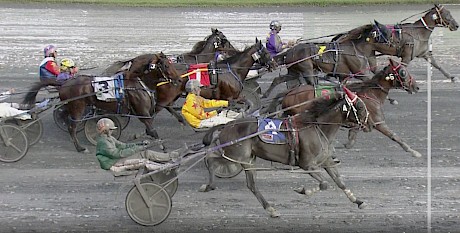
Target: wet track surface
54,188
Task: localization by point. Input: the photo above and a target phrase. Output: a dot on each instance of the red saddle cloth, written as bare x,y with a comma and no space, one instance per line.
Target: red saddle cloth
200,73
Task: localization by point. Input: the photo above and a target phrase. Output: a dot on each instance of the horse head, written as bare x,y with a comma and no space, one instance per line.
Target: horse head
397,74
382,34
441,17
262,56
221,43
161,64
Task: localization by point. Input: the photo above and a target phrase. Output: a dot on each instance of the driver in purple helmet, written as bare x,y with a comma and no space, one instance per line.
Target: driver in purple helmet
49,69
274,43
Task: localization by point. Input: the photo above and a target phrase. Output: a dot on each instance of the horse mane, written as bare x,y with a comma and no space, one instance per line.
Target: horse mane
237,55
358,33
367,84
199,46
320,106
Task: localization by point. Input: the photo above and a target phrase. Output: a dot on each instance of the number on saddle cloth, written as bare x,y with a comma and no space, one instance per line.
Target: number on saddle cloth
109,88
327,53
271,137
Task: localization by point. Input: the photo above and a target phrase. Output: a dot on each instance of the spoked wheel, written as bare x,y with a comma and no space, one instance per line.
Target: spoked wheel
33,129
62,119
224,168
152,211
14,145
91,132
166,179
253,98
124,121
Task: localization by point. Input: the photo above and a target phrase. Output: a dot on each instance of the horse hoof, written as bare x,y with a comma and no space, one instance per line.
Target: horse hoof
300,190
206,188
348,145
455,79
362,205
273,213
393,102
416,154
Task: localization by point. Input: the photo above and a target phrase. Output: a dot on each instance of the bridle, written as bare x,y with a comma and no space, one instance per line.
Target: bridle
437,18
350,108
399,76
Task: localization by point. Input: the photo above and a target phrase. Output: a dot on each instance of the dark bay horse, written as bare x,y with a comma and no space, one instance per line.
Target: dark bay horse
137,99
413,38
344,59
373,92
316,129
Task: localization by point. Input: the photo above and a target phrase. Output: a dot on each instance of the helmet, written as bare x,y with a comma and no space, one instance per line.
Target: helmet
192,85
67,62
275,24
105,124
49,50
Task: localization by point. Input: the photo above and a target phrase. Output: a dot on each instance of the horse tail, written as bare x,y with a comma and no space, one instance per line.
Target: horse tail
31,94
210,136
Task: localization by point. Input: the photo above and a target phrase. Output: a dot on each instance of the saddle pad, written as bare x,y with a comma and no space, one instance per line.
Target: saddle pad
327,53
200,73
109,88
271,137
325,91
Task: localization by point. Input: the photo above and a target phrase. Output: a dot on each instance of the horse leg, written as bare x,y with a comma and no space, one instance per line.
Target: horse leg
210,185
72,127
352,134
334,173
276,82
149,130
383,128
322,185
437,66
176,115
251,184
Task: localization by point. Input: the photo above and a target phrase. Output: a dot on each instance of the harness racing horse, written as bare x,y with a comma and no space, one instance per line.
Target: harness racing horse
344,59
169,90
373,92
413,38
136,100
230,73
315,130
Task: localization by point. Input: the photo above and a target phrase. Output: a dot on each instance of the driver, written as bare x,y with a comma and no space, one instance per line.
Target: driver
117,156
49,69
274,44
194,107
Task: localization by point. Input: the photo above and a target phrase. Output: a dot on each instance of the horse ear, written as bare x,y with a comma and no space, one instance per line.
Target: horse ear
383,29
214,30
257,40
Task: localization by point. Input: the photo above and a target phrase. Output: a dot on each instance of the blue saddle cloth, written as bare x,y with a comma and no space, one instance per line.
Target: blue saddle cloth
271,137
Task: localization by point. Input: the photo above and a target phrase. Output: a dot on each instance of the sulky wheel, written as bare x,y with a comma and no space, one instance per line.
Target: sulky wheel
166,179
14,145
33,129
91,132
152,211
124,121
224,168
62,119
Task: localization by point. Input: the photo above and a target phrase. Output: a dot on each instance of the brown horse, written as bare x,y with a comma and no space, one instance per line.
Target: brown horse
373,92
137,101
414,37
315,130
231,73
169,90
344,59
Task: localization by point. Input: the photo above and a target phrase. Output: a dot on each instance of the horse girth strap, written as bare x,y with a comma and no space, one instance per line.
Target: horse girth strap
293,141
